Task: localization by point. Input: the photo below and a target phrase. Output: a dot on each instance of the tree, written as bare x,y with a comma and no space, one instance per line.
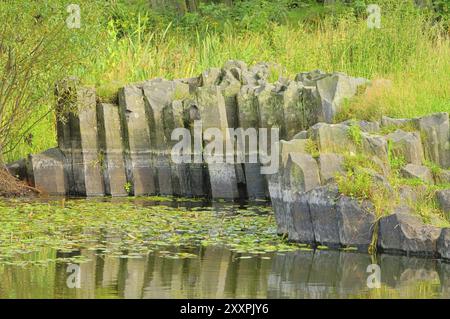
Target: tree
37,48
182,6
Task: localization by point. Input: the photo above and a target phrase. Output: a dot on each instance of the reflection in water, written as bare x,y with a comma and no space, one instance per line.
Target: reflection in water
220,273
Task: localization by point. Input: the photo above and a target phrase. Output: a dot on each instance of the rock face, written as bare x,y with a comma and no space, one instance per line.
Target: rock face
403,232
435,132
324,215
392,122
140,173
47,171
365,126
112,150
333,89
331,137
356,222
18,169
299,174
443,177
375,145
212,110
443,244
443,199
302,229
127,149
417,171
407,145
330,164
77,139
234,96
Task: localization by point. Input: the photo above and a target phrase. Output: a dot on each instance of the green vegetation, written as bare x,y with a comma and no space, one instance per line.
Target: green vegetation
125,41
364,179
136,228
354,132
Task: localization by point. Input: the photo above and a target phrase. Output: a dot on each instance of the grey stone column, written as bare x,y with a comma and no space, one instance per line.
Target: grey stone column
111,149
137,145
158,97
211,106
77,139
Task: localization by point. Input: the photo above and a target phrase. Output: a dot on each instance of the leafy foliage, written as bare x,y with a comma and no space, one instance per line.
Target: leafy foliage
36,50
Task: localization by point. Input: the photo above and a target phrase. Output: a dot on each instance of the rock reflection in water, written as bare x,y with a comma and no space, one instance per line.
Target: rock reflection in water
220,273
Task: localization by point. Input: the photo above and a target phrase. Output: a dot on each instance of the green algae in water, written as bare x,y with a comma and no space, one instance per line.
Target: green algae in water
128,229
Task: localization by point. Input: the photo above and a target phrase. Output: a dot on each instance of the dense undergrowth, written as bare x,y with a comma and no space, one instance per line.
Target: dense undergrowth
124,41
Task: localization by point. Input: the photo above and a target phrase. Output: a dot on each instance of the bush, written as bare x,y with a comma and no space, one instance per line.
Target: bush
36,50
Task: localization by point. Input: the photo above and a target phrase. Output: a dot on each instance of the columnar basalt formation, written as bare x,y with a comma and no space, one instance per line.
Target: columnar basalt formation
125,147
309,207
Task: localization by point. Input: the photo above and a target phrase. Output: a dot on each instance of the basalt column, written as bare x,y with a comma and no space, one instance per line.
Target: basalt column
222,176
270,116
158,97
136,138
197,181
111,149
249,122
77,139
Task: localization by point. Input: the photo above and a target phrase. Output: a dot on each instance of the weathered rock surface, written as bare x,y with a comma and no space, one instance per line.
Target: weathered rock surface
417,171
330,164
303,172
365,126
111,148
443,176
435,132
443,244
302,227
333,90
159,95
77,139
299,174
443,199
375,145
403,232
18,169
392,122
324,216
407,145
295,146
331,138
276,198
137,145
356,222
407,194
303,135
47,171
212,110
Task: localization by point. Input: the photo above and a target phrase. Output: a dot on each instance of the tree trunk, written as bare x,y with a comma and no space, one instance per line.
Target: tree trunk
192,5
179,6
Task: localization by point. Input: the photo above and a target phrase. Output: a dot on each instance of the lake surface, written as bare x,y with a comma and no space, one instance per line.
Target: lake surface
211,270
217,272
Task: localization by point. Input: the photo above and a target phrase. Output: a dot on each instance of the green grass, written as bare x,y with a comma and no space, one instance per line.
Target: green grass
408,50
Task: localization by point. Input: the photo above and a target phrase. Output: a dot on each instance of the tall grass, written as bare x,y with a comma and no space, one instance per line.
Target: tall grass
409,50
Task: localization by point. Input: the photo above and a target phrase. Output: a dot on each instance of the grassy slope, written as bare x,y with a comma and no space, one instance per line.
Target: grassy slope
407,50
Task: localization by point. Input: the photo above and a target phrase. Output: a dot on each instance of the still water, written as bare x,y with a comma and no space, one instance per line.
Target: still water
217,272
